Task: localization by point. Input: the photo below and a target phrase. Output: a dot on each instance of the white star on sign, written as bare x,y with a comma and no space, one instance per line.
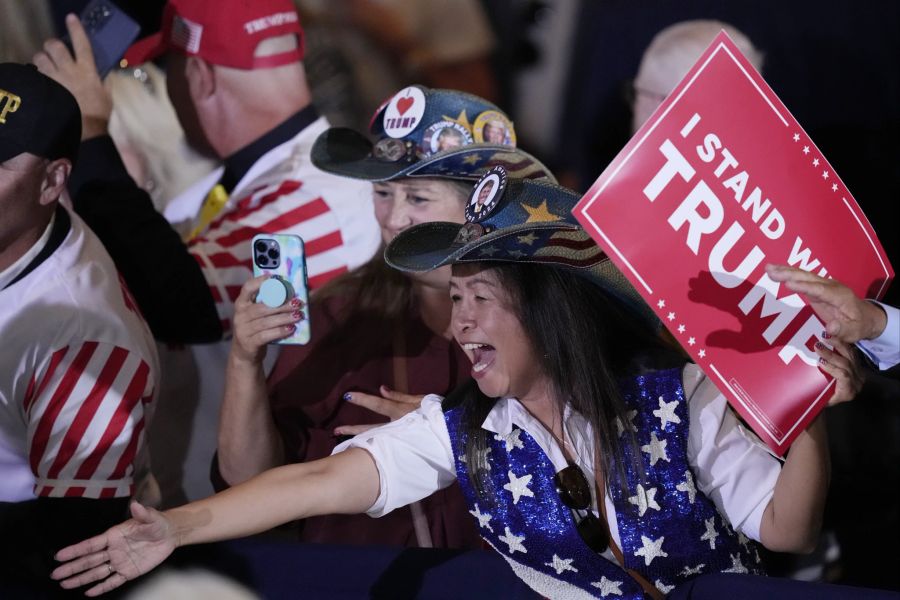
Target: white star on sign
511,440
681,328
711,533
665,589
661,304
666,413
629,416
513,541
824,174
701,353
656,449
736,565
644,499
805,149
608,586
671,316
796,137
651,549
833,187
691,341
561,564
489,251
518,486
483,518
688,486
815,162
688,571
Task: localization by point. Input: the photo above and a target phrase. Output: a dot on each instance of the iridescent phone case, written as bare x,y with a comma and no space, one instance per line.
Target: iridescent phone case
283,256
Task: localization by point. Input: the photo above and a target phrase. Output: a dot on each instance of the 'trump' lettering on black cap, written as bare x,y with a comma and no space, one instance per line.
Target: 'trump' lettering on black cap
37,115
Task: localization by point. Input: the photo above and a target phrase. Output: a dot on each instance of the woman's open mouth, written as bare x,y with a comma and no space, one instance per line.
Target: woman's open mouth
482,357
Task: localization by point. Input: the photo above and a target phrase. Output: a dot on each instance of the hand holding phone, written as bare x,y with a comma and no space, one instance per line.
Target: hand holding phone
283,257
110,31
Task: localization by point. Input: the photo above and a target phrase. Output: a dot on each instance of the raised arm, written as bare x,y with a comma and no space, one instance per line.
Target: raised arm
249,442
345,483
793,517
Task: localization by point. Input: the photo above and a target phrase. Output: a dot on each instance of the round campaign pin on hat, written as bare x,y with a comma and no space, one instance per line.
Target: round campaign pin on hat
485,195
492,127
404,112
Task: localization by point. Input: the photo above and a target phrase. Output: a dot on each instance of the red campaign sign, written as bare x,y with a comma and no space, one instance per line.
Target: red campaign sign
719,182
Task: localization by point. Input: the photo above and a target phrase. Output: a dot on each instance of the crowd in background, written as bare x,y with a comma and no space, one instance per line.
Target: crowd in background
575,78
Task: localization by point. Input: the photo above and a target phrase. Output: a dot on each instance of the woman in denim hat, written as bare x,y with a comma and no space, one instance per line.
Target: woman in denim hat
573,398
380,338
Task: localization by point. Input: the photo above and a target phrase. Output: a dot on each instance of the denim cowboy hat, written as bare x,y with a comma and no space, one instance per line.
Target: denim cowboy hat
422,132
515,220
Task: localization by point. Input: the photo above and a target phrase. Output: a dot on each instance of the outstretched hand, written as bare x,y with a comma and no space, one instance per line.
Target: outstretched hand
391,404
847,317
120,554
79,75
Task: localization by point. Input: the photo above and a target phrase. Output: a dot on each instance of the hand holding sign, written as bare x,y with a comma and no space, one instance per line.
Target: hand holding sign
719,182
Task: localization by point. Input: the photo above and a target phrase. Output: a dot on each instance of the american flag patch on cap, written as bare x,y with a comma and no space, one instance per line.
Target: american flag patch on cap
186,34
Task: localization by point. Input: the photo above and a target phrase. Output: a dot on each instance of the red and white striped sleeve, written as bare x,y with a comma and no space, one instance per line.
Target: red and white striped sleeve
85,414
225,256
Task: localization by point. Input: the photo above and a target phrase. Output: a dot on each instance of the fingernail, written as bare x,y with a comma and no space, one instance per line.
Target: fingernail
386,388
826,335
348,396
297,315
295,302
820,345
289,327
822,360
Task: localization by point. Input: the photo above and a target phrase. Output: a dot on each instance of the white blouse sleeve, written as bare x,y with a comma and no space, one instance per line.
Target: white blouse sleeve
413,456
733,468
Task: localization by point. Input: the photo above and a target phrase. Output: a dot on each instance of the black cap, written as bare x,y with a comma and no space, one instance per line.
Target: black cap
37,115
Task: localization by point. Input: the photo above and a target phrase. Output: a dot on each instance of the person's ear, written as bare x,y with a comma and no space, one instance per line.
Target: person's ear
201,78
56,174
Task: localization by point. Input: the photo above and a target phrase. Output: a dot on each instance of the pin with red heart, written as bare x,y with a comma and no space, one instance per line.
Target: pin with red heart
404,112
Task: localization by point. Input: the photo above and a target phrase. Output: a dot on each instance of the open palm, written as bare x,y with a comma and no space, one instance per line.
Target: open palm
119,554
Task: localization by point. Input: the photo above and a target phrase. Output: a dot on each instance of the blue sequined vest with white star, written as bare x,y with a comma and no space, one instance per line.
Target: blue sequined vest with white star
670,531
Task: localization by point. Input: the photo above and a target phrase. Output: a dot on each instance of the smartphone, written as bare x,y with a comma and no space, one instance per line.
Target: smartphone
283,256
111,32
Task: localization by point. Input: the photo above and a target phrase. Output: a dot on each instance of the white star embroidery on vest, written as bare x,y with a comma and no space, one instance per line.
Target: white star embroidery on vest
608,587
736,565
688,486
561,564
665,589
629,422
711,533
651,549
483,518
656,449
688,571
666,413
511,440
513,541
644,499
518,486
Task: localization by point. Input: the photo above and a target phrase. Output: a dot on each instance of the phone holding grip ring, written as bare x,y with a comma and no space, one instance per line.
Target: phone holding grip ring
282,256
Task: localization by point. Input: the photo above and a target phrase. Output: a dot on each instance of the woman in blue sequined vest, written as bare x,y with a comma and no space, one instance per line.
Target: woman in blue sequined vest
593,458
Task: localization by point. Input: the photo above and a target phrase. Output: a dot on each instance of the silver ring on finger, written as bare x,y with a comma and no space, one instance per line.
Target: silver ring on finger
110,567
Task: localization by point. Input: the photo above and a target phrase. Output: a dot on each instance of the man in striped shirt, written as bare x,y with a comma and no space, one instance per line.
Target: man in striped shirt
239,89
80,369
